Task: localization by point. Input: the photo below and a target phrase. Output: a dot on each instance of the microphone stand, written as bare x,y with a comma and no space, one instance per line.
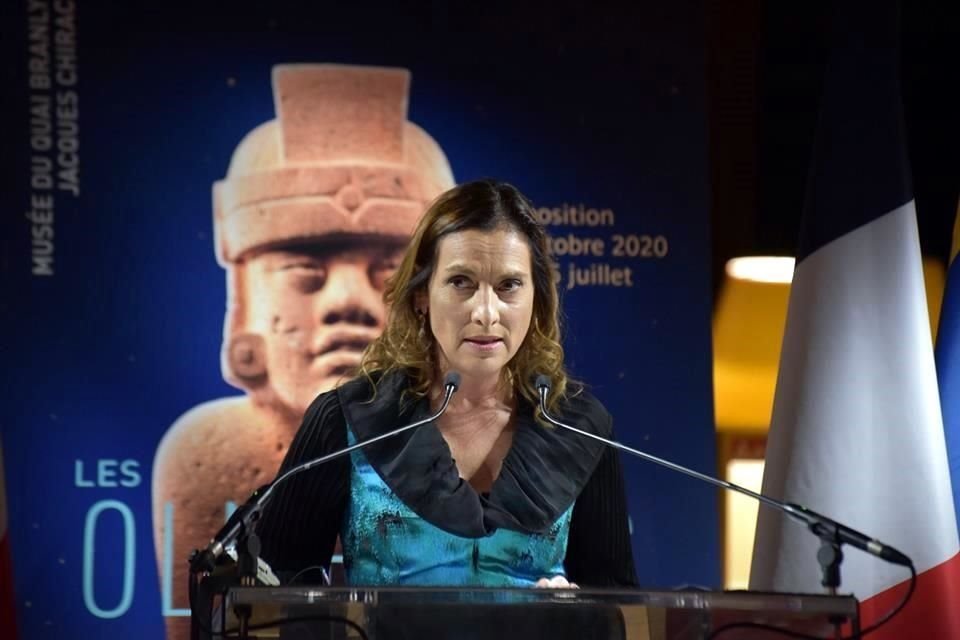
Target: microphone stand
240,530
832,534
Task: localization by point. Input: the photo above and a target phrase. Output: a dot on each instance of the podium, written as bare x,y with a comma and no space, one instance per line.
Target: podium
338,613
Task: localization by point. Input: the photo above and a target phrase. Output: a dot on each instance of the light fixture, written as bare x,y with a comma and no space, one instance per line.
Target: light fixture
771,269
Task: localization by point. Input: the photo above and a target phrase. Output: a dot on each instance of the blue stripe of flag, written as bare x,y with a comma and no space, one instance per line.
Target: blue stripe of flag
948,372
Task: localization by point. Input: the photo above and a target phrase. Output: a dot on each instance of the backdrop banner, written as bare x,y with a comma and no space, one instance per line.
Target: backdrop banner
201,204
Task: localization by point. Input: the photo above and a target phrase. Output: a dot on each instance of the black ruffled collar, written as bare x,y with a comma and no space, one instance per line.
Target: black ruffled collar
542,474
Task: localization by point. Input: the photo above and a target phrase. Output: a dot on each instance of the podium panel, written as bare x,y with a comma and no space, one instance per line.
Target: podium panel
314,613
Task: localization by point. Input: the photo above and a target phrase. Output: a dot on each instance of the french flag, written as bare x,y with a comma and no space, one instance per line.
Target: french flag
857,432
8,628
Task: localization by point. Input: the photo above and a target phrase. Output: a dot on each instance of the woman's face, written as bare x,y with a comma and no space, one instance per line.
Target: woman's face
480,300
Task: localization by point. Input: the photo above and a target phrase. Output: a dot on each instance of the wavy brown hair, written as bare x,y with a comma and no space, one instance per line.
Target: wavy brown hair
485,205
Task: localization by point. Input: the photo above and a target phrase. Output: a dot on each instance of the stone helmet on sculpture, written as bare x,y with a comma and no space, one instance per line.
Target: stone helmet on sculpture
312,215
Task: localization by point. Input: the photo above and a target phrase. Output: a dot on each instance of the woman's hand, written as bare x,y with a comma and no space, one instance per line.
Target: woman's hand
556,582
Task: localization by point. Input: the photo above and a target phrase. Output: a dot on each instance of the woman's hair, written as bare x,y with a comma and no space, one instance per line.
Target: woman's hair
407,343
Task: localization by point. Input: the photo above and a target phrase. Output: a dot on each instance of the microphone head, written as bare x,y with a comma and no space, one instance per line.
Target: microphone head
543,381
452,379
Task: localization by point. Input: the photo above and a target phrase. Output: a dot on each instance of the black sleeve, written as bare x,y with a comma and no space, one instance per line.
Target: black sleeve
598,551
300,524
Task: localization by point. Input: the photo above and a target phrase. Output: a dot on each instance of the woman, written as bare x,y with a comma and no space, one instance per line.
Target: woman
487,495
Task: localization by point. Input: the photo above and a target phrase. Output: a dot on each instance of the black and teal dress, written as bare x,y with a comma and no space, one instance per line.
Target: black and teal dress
405,517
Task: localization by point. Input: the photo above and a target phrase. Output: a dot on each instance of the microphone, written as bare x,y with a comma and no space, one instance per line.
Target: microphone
822,526
244,517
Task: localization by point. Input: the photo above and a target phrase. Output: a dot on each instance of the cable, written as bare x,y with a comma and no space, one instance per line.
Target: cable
234,633
323,574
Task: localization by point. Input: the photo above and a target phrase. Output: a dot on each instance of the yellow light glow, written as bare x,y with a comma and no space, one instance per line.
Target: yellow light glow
741,522
747,335
773,269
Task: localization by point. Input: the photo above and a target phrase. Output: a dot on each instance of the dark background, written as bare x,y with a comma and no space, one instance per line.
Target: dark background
765,68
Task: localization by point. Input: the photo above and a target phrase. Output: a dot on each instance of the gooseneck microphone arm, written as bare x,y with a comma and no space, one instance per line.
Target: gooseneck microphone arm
243,518
829,531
